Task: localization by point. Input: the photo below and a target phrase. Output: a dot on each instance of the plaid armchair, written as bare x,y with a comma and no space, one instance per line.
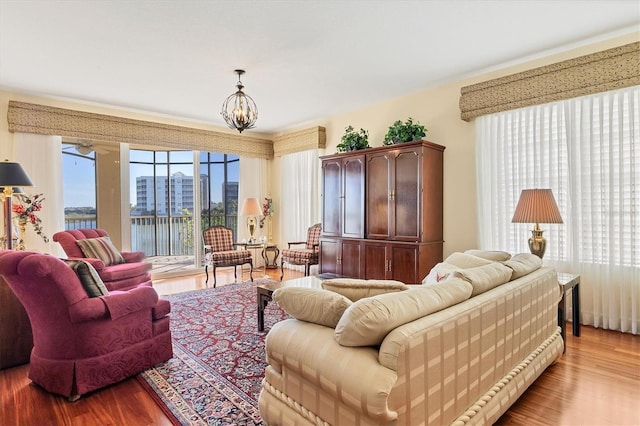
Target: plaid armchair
220,250
306,256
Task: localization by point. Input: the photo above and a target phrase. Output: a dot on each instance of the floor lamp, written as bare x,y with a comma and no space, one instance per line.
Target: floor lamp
12,175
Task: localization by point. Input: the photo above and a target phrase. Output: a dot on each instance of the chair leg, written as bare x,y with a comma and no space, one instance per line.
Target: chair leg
281,269
307,270
235,272
251,270
214,276
206,271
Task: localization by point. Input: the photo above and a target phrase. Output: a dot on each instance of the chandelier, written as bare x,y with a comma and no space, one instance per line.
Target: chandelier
239,110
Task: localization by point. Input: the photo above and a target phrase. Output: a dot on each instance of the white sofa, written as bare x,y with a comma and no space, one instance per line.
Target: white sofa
443,356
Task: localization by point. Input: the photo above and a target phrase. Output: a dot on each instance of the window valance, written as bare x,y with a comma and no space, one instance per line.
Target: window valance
598,72
26,117
302,140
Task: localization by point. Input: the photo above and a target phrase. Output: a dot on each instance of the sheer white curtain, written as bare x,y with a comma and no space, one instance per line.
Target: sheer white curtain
253,184
299,194
41,158
587,150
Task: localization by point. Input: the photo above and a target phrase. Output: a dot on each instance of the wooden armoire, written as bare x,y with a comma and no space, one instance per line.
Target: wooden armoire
382,212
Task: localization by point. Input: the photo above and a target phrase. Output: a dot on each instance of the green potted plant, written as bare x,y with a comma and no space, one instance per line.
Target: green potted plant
353,141
408,131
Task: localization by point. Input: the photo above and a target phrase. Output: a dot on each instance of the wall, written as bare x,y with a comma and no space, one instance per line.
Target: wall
436,108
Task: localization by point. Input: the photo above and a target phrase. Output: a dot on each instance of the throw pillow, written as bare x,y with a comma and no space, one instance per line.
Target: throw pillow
312,304
466,260
356,289
523,264
369,320
496,256
88,276
101,248
484,278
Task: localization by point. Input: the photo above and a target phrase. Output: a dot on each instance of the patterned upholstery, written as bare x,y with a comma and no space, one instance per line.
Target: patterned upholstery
220,250
306,256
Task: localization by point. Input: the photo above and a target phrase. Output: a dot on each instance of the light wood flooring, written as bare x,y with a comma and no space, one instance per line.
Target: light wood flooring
596,382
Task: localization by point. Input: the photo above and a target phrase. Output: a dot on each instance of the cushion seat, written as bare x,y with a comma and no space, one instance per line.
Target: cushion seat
231,256
301,256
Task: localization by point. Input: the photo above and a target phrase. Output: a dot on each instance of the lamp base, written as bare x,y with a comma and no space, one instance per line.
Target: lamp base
537,243
251,225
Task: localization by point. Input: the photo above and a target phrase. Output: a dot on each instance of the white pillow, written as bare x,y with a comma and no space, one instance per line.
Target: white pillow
496,256
466,260
356,289
486,277
312,304
523,264
369,320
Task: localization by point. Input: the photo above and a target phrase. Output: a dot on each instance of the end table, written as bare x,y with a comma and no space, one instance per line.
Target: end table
569,282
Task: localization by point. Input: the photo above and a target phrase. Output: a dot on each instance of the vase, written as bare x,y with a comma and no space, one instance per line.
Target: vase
22,228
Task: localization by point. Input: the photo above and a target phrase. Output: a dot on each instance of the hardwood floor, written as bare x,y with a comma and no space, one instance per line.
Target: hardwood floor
596,382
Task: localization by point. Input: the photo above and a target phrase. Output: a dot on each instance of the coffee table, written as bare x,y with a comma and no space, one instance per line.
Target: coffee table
265,291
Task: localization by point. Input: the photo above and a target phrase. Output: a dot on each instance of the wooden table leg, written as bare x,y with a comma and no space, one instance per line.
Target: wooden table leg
575,296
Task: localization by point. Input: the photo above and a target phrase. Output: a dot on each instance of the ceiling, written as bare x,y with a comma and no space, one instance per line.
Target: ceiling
304,60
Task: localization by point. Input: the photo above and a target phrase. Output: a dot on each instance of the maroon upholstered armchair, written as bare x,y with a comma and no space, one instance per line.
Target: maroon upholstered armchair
117,276
83,343
220,250
306,256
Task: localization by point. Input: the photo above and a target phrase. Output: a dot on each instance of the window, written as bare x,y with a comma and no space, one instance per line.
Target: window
587,150
79,187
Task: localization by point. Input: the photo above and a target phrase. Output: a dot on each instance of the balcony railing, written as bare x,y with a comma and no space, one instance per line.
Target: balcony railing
162,235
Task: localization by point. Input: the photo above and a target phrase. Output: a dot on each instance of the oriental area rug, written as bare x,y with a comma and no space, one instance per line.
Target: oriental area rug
215,375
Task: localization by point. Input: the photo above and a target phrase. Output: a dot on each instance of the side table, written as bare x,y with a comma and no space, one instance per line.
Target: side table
569,282
271,248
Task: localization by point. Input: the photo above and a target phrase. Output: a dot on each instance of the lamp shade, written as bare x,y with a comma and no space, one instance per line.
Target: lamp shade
537,206
251,207
12,174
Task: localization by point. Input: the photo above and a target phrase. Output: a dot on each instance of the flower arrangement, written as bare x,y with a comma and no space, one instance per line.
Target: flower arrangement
267,210
26,212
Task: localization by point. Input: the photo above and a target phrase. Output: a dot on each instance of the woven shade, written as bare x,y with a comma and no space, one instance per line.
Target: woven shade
537,206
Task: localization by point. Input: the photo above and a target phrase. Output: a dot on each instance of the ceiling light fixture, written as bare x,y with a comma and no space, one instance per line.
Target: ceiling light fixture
239,110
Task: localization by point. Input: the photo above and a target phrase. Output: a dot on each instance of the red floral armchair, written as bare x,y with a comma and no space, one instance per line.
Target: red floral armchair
123,273
83,343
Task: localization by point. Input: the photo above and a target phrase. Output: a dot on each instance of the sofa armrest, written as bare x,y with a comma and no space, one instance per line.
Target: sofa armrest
352,375
133,256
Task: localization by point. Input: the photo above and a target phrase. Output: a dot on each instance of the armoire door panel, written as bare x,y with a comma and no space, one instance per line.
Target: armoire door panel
375,261
404,263
331,203
353,197
350,259
378,199
407,190
329,254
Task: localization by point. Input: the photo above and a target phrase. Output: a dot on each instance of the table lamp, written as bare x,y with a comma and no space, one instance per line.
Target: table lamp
537,206
11,175
251,208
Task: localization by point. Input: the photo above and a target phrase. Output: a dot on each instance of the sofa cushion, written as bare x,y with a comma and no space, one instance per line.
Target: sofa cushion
369,320
88,277
123,271
101,248
486,277
312,304
523,264
466,260
356,289
496,256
